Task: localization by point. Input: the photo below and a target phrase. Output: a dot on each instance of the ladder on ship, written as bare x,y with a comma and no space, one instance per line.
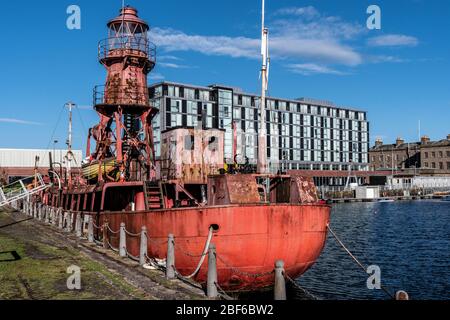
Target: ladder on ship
22,189
153,195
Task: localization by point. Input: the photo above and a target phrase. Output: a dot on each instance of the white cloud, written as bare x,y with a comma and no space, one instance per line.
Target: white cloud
307,12
283,46
307,69
168,58
301,36
385,59
393,40
19,121
173,65
154,76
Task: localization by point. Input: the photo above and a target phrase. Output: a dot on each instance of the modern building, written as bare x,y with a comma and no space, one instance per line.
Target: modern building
16,164
418,158
302,134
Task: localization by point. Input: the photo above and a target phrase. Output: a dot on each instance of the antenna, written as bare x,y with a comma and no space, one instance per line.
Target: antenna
69,156
262,143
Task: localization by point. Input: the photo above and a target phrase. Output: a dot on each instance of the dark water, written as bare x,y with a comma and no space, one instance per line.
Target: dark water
409,241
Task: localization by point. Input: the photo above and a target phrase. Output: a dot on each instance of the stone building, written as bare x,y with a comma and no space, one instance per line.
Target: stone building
435,155
425,157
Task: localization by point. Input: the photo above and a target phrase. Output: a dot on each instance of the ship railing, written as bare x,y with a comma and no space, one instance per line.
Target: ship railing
126,45
121,95
22,189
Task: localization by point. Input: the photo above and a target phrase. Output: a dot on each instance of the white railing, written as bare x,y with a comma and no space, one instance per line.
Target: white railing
22,189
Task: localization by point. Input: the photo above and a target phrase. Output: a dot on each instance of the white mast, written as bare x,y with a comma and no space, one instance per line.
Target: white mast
69,156
262,142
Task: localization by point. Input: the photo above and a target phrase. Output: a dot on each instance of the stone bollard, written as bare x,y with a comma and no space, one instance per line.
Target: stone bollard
123,241
144,247
280,283
211,288
68,221
60,219
91,230
40,211
48,214
55,216
170,264
79,225
105,236
402,296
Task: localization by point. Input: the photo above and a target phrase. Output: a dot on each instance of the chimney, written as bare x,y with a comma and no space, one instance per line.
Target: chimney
378,142
425,139
448,137
399,142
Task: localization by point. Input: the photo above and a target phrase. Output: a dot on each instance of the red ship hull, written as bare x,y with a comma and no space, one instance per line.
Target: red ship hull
249,240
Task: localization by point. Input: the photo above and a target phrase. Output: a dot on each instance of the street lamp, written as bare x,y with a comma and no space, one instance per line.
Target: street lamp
55,142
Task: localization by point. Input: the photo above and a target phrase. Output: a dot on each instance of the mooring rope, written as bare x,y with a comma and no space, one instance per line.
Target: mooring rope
223,294
134,235
203,256
129,255
355,259
113,232
110,245
299,287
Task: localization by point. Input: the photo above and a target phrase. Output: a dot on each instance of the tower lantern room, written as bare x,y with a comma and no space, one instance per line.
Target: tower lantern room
128,24
128,56
124,136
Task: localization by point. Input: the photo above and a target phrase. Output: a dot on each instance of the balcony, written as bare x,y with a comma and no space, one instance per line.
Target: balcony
126,46
121,96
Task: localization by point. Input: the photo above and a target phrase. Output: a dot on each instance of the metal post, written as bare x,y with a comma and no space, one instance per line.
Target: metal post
170,265
40,211
79,225
280,283
212,273
91,230
144,247
105,235
123,241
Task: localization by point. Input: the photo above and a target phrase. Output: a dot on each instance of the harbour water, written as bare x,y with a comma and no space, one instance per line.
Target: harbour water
409,241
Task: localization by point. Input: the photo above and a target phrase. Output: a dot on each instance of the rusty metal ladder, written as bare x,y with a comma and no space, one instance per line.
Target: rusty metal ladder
153,195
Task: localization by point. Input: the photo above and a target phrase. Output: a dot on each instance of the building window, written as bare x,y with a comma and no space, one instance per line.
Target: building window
448,165
426,155
441,154
433,165
433,154
426,164
441,166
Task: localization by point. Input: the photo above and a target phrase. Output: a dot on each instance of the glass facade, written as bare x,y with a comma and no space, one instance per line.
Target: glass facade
301,134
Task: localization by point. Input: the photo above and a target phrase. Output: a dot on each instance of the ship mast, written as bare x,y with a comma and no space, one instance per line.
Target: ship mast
69,155
262,142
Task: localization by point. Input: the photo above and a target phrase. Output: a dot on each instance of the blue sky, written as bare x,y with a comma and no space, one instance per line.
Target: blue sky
320,49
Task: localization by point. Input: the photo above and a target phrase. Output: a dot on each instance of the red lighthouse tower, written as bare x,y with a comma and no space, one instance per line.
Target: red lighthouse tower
124,142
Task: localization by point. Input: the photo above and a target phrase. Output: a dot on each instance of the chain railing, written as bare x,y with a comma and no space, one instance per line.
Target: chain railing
68,220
